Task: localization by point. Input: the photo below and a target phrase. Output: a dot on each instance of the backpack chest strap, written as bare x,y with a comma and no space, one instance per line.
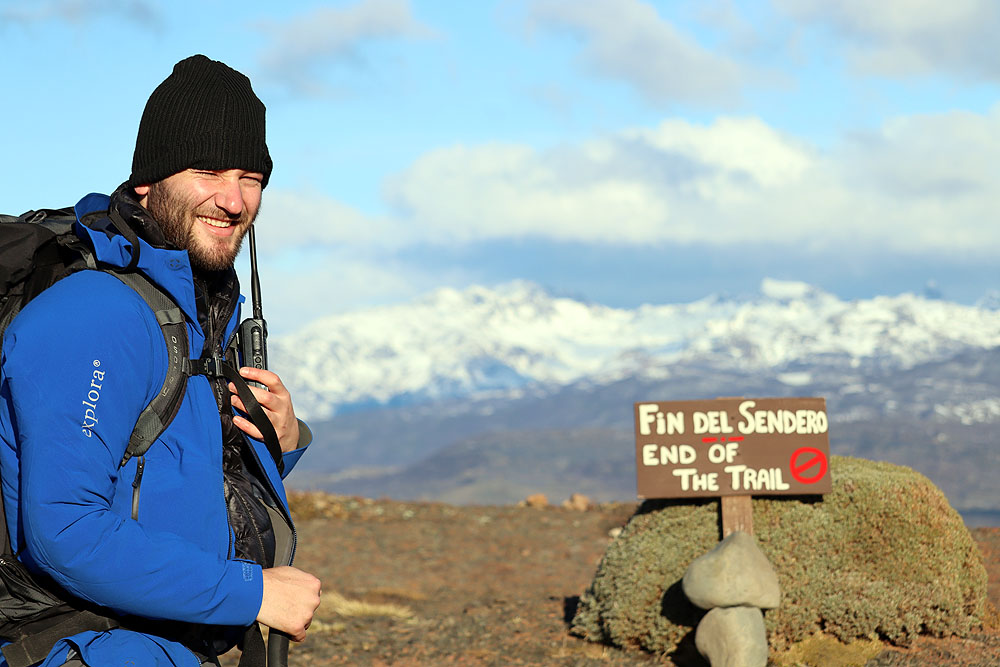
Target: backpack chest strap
217,366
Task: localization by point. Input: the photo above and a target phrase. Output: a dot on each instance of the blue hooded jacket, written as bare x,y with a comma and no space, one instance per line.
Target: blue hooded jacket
80,362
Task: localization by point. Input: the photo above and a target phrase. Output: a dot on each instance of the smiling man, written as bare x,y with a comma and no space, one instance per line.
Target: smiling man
184,570
205,211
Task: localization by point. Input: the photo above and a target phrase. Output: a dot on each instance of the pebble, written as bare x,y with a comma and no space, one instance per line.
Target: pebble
578,502
733,637
735,573
536,500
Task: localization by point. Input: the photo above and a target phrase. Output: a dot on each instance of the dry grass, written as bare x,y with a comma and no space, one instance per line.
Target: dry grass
335,606
338,605
323,627
395,592
825,651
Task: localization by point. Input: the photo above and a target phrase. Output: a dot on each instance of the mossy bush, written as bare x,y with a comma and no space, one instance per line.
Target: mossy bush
884,556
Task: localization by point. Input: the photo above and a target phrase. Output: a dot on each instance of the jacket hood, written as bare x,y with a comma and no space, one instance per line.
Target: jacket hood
170,269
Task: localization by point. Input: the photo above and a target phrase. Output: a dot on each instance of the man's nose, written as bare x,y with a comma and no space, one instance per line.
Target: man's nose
229,197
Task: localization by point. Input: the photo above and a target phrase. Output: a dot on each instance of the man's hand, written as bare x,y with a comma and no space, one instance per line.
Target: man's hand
277,404
291,597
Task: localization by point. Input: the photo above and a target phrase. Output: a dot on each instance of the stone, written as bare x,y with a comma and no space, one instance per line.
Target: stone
733,637
578,502
735,573
536,500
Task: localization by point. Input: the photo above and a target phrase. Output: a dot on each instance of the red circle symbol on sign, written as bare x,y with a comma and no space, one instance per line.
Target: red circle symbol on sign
802,463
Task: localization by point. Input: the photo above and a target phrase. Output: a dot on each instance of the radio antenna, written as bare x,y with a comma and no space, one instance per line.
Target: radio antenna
258,312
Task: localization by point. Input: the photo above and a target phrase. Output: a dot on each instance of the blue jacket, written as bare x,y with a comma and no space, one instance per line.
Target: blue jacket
79,364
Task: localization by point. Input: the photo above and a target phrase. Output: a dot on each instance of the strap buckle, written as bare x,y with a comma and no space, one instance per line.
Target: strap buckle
210,366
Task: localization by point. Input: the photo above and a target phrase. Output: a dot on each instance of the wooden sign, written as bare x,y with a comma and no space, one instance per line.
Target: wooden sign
732,447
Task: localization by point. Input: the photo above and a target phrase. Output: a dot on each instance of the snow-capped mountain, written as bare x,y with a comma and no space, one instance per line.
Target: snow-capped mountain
503,341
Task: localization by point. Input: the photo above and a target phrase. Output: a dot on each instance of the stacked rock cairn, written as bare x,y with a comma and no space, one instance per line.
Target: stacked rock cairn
734,582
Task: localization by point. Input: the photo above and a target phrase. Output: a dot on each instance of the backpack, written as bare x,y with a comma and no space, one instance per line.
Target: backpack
37,249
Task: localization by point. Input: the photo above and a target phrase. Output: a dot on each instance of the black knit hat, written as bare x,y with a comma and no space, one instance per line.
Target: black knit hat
205,115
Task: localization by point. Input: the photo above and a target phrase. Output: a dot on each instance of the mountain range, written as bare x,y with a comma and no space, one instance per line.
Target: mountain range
488,394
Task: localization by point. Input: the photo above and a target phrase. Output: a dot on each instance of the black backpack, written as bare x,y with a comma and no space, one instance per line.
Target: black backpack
37,249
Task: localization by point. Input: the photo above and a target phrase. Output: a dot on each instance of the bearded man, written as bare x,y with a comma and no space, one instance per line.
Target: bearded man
187,568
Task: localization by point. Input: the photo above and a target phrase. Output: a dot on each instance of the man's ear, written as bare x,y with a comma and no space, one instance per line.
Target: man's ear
141,191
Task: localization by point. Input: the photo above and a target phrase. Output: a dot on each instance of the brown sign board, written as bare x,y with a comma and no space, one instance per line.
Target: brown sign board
732,446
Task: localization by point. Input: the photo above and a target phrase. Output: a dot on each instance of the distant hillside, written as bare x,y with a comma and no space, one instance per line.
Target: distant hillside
487,395
503,468
939,418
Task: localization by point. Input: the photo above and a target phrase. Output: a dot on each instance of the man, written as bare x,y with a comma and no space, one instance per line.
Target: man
178,545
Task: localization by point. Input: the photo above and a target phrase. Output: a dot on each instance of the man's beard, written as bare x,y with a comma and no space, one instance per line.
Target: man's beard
177,221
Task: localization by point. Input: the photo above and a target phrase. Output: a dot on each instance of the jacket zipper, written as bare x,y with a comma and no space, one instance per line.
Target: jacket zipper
140,465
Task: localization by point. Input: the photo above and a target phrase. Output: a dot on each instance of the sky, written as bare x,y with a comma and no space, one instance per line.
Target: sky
617,151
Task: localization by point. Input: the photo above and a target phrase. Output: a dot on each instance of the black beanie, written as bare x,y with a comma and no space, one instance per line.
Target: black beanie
205,115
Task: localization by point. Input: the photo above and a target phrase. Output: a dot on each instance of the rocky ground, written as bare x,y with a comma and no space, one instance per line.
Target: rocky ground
433,584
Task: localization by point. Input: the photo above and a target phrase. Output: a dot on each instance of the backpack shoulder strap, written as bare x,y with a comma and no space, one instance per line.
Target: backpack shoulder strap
155,418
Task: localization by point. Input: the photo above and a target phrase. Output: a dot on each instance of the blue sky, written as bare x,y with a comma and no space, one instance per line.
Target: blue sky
620,151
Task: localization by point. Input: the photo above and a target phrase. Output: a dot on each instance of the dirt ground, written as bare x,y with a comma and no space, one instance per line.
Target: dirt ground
432,584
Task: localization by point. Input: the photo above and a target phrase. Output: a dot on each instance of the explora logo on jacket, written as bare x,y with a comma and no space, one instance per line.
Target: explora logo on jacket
93,396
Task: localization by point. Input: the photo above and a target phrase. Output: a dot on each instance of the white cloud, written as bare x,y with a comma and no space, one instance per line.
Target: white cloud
918,184
498,191
745,146
293,220
630,41
930,180
78,12
908,37
327,37
672,182
952,156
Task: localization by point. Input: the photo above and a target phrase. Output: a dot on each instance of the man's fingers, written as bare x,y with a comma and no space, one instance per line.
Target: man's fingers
266,399
263,396
277,403
247,426
265,377
290,600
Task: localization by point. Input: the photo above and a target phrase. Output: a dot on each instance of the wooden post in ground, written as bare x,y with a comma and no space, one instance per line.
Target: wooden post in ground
737,514
736,511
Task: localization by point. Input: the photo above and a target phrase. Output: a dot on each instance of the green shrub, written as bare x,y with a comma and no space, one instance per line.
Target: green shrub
883,556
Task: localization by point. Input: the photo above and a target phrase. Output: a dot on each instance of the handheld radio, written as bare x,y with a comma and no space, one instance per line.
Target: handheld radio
253,330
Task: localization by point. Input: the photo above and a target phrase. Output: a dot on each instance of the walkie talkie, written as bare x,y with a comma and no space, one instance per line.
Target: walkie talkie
252,337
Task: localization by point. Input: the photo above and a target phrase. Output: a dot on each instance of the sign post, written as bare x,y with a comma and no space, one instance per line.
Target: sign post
737,514
732,448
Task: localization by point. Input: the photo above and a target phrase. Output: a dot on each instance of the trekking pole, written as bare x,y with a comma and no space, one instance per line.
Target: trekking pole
277,649
253,346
